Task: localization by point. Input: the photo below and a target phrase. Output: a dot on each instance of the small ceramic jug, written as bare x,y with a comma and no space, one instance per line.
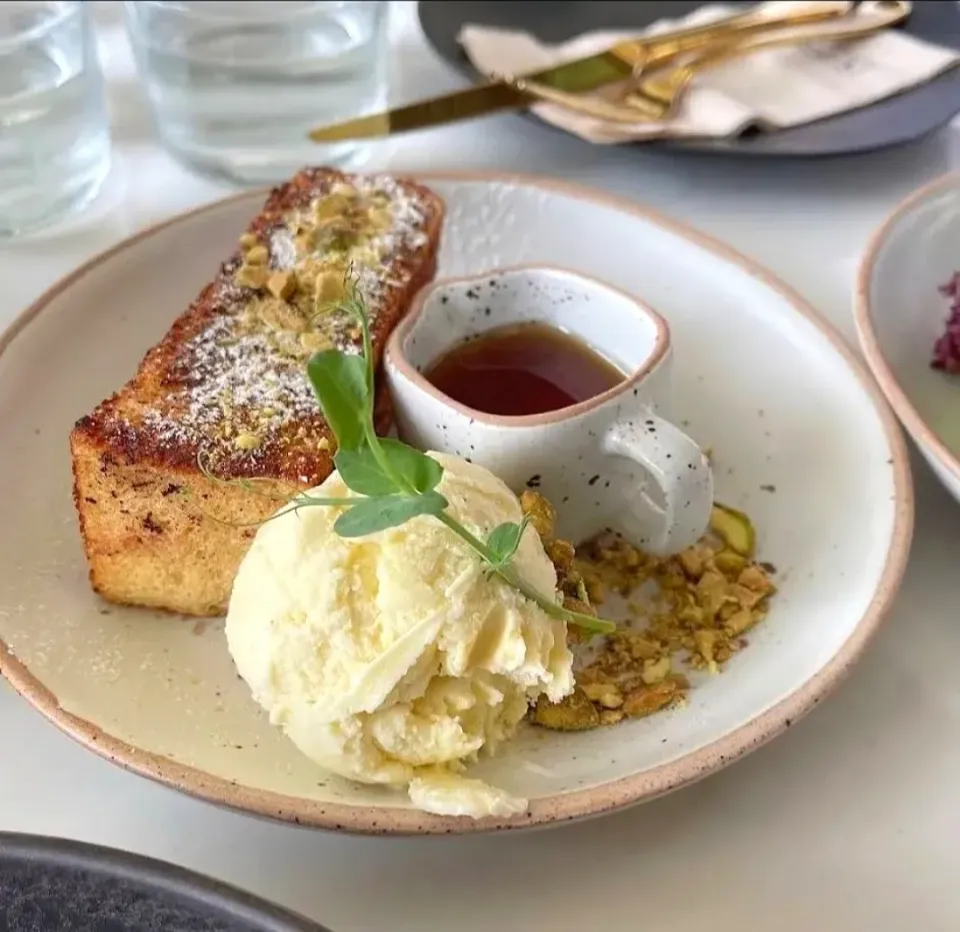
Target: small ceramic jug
610,461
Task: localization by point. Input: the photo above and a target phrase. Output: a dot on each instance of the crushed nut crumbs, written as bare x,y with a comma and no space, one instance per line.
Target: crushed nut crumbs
692,609
244,375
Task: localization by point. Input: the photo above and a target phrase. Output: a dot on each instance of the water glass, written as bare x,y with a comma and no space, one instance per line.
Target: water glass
234,87
54,129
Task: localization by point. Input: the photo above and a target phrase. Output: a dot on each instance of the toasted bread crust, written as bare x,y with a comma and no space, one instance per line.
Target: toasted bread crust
157,529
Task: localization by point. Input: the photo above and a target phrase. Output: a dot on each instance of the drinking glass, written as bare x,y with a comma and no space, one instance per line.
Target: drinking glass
235,86
54,129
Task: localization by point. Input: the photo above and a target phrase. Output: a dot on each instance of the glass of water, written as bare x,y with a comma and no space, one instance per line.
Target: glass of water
234,87
54,130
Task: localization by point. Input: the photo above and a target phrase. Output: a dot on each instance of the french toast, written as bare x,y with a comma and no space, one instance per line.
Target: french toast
159,468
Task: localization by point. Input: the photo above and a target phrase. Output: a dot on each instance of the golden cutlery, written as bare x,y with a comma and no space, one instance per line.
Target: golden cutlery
652,53
666,90
647,57
654,99
616,64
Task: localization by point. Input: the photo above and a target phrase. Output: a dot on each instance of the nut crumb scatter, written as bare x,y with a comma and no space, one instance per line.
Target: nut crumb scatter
692,610
242,377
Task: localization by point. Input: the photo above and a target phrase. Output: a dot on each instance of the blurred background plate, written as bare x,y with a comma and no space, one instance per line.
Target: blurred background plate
68,886
900,312
892,122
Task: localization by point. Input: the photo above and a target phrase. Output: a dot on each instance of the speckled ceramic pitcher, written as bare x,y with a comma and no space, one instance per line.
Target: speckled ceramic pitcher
610,461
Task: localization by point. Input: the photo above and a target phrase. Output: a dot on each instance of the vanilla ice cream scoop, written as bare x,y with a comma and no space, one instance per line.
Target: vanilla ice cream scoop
397,657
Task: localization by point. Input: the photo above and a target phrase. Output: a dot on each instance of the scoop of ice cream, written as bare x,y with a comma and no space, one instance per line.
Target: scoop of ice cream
397,657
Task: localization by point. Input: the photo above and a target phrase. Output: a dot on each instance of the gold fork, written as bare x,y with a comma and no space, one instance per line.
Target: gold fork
665,91
647,53
654,52
655,98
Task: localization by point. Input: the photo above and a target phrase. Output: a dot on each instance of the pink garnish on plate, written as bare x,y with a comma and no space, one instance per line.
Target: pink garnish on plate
946,351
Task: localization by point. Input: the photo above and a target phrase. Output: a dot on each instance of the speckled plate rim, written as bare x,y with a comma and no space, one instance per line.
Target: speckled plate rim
898,399
580,804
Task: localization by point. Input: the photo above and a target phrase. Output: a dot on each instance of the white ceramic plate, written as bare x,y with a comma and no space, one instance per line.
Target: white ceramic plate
900,313
759,378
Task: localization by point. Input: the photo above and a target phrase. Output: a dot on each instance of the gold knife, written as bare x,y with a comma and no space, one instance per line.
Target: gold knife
584,74
579,76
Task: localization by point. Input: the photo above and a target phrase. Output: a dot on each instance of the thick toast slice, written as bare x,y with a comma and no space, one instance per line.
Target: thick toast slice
224,396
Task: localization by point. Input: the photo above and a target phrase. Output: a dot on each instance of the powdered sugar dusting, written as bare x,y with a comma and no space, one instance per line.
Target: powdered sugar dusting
239,380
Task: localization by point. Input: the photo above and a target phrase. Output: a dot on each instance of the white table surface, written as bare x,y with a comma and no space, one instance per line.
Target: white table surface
850,821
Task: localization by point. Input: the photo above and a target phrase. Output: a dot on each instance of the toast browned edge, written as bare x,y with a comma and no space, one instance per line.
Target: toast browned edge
157,531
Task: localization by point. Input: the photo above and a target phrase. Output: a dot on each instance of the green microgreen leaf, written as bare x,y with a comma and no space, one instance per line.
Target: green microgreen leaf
398,468
414,468
340,384
370,515
362,472
505,538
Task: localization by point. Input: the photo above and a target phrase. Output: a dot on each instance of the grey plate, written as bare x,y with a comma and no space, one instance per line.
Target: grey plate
892,122
66,886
